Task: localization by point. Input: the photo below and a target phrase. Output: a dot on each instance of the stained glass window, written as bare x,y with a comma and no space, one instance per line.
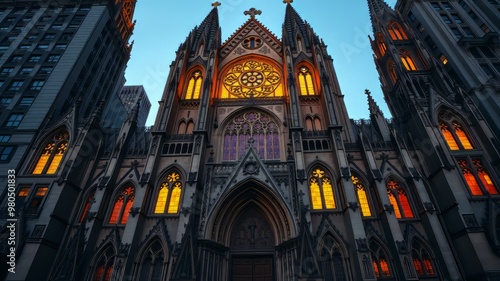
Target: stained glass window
408,61
485,178
52,154
399,200
104,266
122,205
194,86
306,82
362,197
259,127
86,207
332,258
453,132
380,264
251,79
321,189
470,179
381,45
421,260
169,195
392,71
396,31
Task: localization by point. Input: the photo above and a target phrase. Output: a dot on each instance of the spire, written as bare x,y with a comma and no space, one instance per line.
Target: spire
207,31
294,25
372,105
377,8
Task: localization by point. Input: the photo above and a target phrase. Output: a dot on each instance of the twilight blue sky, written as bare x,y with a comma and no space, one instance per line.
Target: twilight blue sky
343,25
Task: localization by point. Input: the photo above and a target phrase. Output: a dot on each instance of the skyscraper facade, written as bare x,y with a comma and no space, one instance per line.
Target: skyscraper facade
253,169
132,95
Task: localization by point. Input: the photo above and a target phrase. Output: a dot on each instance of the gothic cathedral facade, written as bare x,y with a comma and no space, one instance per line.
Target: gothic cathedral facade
254,171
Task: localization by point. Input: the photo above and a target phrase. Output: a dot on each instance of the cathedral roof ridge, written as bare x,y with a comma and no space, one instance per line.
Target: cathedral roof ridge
244,25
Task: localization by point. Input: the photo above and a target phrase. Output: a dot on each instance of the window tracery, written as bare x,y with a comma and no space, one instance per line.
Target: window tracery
408,61
50,159
104,265
251,125
453,133
396,31
152,263
169,194
122,205
379,260
362,197
321,189
194,86
422,260
251,79
306,82
399,200
381,45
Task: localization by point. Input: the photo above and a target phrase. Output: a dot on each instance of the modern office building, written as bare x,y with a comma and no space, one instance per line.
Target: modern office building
132,95
253,169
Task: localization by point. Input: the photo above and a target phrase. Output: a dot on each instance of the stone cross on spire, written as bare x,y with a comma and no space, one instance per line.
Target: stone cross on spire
288,1
252,12
216,4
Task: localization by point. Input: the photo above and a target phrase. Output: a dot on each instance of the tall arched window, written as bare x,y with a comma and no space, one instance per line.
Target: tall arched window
396,31
453,132
399,200
194,86
332,260
52,154
86,207
309,124
381,45
104,265
422,260
169,194
321,189
477,177
362,197
380,261
122,205
182,128
259,127
391,67
190,127
151,267
306,82
407,60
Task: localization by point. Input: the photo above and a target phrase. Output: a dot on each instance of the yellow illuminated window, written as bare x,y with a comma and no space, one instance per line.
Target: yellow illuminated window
443,59
251,79
50,159
321,189
306,82
396,31
464,140
448,136
194,86
408,61
362,197
453,132
169,195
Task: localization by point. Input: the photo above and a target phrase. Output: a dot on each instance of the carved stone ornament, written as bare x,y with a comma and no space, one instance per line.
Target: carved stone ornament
134,211
353,205
91,216
362,245
251,167
402,248
389,208
428,207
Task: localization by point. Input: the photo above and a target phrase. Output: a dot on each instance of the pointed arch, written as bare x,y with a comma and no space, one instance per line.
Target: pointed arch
362,195
300,46
380,259
103,264
86,204
193,89
399,199
382,48
317,124
151,266
391,68
189,127
396,31
263,127
306,84
201,49
453,131
309,124
122,203
181,128
52,154
332,255
423,261
169,193
407,60
321,189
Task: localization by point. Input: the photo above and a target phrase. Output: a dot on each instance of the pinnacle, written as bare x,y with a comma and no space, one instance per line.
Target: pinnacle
372,105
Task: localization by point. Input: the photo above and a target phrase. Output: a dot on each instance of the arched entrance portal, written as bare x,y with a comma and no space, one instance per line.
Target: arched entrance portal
252,247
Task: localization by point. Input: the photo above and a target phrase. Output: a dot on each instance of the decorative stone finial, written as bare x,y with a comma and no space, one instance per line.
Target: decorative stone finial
216,4
288,1
252,12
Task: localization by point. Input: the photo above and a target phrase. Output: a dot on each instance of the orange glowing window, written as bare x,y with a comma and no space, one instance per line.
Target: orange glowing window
321,188
99,273
485,178
470,179
428,266
381,45
396,31
23,192
376,269
50,159
306,82
169,195
362,197
408,61
194,86
399,200
448,136
384,267
122,206
105,264
464,140
86,207
418,266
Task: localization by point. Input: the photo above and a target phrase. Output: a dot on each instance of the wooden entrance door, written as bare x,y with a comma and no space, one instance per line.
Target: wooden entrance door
252,268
